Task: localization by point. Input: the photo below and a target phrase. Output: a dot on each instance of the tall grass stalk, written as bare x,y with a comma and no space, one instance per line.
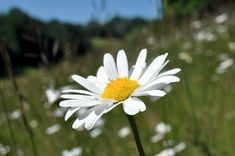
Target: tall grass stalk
203,145
9,124
8,66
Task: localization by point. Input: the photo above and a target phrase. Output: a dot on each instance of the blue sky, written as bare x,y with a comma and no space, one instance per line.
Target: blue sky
82,11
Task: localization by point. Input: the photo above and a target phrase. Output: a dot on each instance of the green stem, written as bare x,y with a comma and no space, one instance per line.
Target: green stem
136,135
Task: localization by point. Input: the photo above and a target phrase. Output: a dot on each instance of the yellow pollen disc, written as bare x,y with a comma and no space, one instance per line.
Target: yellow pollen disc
120,89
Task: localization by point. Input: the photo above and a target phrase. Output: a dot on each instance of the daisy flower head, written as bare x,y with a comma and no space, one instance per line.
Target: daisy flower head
115,84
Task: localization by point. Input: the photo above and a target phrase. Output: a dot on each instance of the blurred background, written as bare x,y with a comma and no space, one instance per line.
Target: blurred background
43,42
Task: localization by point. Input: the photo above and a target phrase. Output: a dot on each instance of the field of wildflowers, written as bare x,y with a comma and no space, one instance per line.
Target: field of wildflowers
195,118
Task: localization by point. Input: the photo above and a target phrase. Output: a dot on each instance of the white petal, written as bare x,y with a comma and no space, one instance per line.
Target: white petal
90,117
79,103
70,112
140,104
77,97
83,118
79,91
112,106
170,72
100,84
162,67
110,66
100,108
77,123
87,84
165,80
122,64
102,75
151,93
154,76
153,69
95,116
139,65
157,83
133,106
129,108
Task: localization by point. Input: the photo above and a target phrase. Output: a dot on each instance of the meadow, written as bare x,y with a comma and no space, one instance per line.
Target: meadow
200,108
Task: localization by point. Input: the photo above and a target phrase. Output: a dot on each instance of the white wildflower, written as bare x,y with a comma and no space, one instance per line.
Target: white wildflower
185,56
162,128
33,123
124,132
114,84
94,133
150,40
221,18
4,150
231,46
52,95
224,65
205,36
196,24
53,129
172,151
77,151
156,138
15,114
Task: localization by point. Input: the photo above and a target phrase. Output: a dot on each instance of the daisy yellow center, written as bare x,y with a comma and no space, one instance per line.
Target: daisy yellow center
120,89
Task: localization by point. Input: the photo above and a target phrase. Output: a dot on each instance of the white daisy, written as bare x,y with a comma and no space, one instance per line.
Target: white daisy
196,24
221,18
115,84
172,151
224,65
52,95
124,132
53,129
77,151
231,46
185,56
4,150
162,128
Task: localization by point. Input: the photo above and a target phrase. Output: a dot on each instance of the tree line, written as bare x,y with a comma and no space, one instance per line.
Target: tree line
32,42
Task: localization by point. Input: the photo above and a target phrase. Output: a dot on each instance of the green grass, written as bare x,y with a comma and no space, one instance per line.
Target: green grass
200,108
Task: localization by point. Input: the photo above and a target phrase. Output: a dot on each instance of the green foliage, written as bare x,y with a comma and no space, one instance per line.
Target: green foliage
31,42
179,8
117,27
8,28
